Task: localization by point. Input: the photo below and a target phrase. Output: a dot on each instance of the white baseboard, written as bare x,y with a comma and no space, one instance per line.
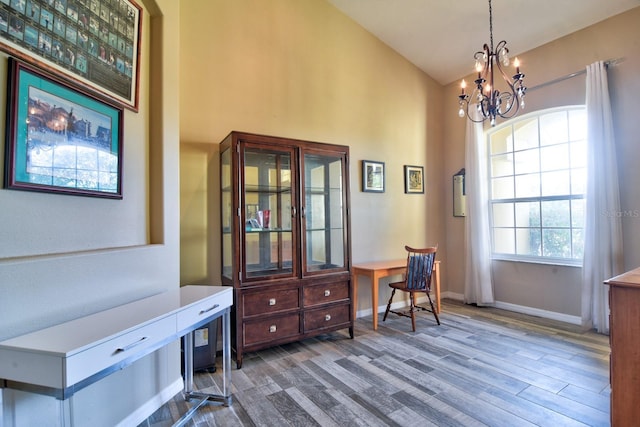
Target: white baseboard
553,315
152,405
452,295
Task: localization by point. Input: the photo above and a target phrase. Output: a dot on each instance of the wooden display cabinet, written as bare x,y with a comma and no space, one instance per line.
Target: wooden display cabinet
624,330
285,239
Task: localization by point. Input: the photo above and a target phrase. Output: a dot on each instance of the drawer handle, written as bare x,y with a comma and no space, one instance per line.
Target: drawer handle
272,301
272,328
209,309
130,346
327,317
327,292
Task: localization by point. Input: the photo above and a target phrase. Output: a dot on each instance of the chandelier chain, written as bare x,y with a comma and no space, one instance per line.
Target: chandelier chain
490,25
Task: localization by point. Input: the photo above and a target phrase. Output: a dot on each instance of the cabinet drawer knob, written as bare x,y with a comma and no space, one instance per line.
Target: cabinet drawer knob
272,301
327,317
327,292
272,328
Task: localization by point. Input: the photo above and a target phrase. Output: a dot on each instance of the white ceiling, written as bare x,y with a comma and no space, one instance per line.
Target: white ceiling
441,36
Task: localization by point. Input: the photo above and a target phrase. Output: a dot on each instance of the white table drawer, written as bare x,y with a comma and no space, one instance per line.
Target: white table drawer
203,309
31,368
95,359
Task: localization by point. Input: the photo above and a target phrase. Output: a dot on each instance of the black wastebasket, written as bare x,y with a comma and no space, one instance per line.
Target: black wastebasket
205,345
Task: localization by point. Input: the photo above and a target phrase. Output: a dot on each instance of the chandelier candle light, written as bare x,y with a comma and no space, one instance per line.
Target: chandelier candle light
486,98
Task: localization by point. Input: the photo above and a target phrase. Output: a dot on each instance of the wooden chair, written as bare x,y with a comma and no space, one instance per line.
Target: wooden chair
417,279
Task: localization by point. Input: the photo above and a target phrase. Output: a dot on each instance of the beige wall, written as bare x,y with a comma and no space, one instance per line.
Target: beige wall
62,257
554,288
301,69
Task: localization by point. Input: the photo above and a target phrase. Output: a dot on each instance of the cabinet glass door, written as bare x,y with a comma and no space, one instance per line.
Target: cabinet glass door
269,233
323,212
226,213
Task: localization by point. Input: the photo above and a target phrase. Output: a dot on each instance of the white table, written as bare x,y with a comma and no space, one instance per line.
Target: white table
62,359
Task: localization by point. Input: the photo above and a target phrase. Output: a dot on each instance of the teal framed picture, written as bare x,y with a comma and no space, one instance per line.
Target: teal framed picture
60,139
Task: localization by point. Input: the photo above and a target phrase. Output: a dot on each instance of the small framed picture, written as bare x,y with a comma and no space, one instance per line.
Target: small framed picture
413,179
372,176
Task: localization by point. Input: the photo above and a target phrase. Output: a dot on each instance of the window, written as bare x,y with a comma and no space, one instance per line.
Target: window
537,180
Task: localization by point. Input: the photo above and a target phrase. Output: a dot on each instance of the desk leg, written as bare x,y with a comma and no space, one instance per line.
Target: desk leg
437,269
226,356
187,344
225,397
66,416
374,298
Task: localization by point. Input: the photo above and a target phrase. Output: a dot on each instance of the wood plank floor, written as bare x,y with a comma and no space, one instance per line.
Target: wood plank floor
481,367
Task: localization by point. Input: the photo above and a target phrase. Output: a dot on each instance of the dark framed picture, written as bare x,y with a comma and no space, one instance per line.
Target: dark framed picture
60,139
413,179
94,43
373,176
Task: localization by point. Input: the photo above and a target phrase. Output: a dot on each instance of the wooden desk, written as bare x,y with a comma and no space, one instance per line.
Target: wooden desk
63,359
378,269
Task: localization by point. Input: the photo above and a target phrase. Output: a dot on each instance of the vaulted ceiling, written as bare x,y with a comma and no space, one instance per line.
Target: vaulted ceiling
441,36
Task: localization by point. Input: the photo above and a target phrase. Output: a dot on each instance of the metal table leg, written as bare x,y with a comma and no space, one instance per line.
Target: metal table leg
189,393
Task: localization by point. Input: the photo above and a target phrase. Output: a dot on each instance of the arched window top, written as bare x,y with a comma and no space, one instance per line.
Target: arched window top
537,180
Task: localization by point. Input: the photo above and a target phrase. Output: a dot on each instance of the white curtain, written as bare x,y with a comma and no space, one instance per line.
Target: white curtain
478,282
603,229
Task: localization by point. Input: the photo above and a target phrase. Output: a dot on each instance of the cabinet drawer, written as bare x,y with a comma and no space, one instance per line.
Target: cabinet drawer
324,293
271,329
326,317
270,301
110,353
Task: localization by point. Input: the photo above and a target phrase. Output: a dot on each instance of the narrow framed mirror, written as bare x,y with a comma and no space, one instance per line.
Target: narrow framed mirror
459,194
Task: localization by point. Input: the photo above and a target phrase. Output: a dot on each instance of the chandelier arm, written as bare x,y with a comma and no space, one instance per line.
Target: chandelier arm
483,56
474,120
513,94
487,59
464,99
514,106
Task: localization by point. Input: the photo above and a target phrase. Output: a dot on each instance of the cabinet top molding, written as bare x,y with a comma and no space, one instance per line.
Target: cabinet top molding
630,279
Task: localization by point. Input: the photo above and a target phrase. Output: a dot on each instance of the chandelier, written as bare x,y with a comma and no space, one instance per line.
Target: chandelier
486,98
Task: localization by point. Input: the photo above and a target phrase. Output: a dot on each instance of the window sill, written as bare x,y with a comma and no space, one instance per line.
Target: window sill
536,260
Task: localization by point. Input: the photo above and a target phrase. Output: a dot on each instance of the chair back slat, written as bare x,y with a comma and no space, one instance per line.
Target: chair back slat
419,268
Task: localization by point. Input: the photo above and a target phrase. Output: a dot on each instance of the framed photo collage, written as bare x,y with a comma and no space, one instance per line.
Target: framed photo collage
93,42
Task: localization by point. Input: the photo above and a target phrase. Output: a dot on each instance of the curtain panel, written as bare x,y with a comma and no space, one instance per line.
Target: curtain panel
603,257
